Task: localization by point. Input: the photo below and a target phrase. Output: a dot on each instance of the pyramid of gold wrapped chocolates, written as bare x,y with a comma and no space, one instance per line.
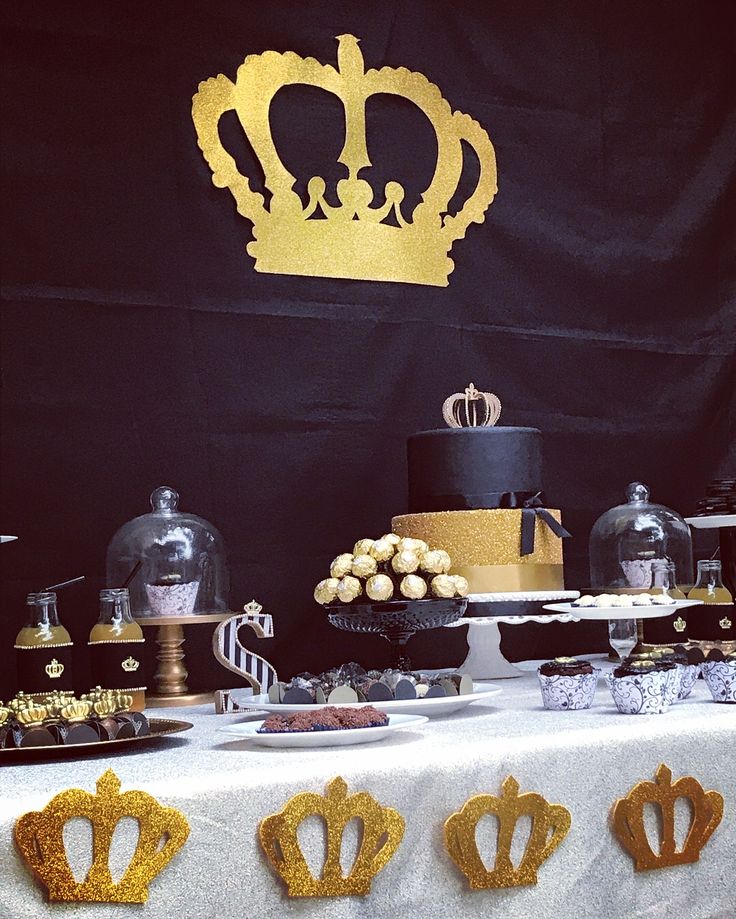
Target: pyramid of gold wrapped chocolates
390,568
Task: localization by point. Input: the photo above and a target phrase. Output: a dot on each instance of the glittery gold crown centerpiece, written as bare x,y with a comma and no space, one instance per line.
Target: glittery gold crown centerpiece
550,824
628,820
351,240
39,836
390,568
382,831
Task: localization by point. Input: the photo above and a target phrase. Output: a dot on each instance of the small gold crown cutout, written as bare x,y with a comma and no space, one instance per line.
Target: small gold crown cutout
130,664
383,829
550,825
350,240
39,836
628,820
54,670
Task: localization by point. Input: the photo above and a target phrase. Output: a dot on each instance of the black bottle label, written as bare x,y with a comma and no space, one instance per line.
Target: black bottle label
712,622
117,664
44,668
667,630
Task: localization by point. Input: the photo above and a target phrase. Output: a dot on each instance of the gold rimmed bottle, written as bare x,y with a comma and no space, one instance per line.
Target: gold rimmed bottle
116,648
712,625
43,648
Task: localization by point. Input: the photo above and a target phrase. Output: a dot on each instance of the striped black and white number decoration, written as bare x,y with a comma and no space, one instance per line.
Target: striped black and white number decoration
231,653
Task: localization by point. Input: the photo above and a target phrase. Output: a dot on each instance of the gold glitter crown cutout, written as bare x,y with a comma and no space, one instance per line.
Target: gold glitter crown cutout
550,824
352,241
628,820
383,829
39,836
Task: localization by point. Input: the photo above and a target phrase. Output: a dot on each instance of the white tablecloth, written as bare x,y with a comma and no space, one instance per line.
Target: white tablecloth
584,760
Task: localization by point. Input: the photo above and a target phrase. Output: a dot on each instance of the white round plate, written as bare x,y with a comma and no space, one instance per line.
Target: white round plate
621,612
249,731
443,705
712,522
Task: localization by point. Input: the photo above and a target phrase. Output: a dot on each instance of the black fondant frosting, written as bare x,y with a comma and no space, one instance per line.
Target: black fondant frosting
469,468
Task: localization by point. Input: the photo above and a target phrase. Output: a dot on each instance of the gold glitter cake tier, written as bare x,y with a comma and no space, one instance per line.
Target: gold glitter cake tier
485,546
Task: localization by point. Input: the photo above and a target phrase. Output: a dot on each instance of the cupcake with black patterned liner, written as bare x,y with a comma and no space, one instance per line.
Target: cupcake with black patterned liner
688,663
719,672
567,684
641,687
672,663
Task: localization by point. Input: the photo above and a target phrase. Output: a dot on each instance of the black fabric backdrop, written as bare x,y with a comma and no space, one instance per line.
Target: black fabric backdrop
141,348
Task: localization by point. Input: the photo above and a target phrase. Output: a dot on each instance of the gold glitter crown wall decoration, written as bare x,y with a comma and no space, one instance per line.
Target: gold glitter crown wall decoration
352,241
550,824
383,829
39,836
628,820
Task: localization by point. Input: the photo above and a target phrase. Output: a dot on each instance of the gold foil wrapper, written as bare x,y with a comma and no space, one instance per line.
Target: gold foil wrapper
392,538
326,591
462,588
413,587
405,562
382,549
342,565
349,589
443,586
436,561
364,566
380,587
362,547
408,544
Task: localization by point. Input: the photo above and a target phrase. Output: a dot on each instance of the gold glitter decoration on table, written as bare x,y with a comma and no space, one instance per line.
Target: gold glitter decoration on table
352,240
382,831
462,847
628,820
39,836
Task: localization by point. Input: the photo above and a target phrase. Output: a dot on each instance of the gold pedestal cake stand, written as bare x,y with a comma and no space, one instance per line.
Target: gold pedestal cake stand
171,674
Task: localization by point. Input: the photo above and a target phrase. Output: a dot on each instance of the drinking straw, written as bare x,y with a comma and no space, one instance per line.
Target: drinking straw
134,571
65,583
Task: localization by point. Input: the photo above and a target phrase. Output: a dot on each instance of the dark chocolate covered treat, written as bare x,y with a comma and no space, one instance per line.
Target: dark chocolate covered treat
565,666
78,733
126,725
326,719
38,736
635,667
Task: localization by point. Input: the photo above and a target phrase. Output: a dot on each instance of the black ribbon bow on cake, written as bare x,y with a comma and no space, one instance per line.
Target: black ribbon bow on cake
530,510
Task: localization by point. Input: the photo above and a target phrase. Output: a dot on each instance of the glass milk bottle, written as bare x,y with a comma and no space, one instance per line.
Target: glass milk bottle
665,630
714,624
43,648
116,648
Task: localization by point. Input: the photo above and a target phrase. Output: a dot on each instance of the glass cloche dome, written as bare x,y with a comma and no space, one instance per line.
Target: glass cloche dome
183,568
628,538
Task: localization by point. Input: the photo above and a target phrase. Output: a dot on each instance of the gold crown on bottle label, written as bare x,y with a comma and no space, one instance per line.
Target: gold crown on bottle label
460,410
628,820
39,836
725,623
130,665
679,624
54,670
550,824
352,241
383,829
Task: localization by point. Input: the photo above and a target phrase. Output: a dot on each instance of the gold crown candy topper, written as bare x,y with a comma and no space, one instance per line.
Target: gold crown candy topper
383,829
39,836
550,824
628,820
352,241
460,410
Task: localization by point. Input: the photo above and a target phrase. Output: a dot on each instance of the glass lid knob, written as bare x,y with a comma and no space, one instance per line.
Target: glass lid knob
636,491
164,500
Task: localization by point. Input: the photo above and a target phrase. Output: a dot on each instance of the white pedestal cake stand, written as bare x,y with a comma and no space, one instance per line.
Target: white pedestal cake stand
485,661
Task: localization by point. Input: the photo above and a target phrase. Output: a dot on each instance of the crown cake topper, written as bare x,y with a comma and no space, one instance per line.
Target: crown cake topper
460,410
550,824
352,241
39,836
628,820
383,829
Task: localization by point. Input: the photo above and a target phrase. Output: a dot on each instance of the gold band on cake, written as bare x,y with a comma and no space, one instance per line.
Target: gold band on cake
491,579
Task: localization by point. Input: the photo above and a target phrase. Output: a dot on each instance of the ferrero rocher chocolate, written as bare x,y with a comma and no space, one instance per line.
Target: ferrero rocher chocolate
349,589
380,587
406,543
436,561
364,566
413,587
392,538
405,562
462,588
442,585
342,565
362,547
382,549
326,591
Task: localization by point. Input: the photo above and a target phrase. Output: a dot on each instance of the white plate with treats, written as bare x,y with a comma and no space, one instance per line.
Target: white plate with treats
712,521
432,707
335,738
630,611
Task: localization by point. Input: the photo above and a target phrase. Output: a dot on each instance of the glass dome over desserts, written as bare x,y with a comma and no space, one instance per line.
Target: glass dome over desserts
628,539
183,567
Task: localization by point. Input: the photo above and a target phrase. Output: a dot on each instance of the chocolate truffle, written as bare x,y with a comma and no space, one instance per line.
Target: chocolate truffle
363,547
382,549
565,666
436,561
326,591
380,587
405,562
413,587
364,566
442,585
342,565
349,589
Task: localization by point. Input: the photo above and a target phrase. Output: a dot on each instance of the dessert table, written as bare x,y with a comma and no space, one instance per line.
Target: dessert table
584,760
